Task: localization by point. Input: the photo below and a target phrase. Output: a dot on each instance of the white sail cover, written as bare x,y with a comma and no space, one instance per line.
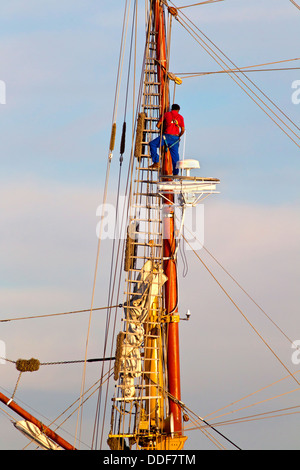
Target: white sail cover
151,279
33,432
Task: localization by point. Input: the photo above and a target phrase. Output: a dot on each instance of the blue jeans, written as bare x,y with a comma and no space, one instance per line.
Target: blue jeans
172,142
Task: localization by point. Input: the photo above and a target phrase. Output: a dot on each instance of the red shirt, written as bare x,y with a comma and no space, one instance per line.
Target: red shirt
173,121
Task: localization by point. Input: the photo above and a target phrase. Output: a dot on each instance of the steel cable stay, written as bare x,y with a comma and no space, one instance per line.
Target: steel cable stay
233,75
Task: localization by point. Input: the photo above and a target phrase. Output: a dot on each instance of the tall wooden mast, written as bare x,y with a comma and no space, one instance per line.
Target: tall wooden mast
169,243
145,411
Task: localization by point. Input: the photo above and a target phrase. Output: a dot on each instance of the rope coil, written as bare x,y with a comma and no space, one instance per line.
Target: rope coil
27,365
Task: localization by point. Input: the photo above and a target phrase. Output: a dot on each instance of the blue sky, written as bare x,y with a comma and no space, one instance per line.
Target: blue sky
59,64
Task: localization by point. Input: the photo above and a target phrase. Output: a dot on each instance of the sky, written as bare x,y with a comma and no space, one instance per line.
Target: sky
57,85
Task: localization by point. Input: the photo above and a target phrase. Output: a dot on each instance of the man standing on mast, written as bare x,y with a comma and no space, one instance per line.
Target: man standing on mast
173,129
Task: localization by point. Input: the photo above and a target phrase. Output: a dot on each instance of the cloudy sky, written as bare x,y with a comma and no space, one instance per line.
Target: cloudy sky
59,65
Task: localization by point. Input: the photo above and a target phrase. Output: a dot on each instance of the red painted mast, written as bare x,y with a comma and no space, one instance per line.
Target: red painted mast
169,244
47,431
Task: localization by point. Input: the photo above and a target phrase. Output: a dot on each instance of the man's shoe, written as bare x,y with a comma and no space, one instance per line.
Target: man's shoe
154,166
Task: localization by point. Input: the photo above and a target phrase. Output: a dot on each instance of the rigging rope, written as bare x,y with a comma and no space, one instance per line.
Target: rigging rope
254,417
251,394
201,3
242,288
58,314
243,315
259,416
237,79
248,295
186,75
242,69
294,3
185,408
257,403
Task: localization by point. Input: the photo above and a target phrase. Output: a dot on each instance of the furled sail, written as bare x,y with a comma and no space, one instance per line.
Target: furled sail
128,362
32,431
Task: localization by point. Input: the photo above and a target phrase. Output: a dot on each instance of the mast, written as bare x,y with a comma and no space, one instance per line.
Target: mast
144,413
169,242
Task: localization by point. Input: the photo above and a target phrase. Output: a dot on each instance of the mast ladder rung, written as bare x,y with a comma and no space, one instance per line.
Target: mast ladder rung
155,245
134,281
149,322
146,194
152,234
151,94
148,258
151,348
134,270
143,206
140,219
151,106
141,387
146,181
136,398
136,294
